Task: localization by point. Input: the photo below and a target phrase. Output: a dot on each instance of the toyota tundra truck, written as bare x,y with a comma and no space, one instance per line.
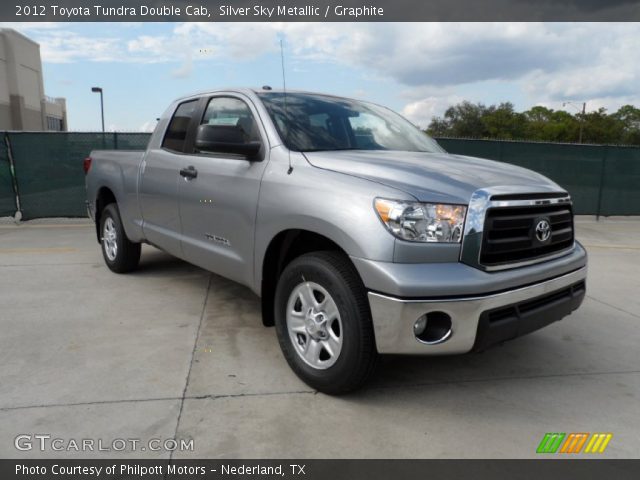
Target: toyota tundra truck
361,235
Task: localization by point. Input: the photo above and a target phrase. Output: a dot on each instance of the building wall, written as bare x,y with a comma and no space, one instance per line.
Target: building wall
55,111
23,104
4,77
5,115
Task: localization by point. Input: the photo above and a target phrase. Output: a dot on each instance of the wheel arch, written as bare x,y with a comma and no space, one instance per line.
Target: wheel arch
281,250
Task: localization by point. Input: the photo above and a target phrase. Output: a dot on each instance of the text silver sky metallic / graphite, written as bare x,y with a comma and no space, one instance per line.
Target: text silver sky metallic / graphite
301,11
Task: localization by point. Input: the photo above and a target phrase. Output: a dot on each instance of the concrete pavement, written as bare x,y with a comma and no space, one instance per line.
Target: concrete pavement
174,351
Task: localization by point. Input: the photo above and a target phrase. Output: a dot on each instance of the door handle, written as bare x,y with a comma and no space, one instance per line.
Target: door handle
189,172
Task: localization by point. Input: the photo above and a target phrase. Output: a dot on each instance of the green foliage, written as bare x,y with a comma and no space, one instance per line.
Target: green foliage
475,120
629,117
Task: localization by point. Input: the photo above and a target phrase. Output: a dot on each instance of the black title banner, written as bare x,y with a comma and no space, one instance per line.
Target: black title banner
318,10
319,469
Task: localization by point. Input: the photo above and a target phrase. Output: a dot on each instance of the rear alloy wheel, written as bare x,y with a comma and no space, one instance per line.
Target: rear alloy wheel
120,254
110,239
324,324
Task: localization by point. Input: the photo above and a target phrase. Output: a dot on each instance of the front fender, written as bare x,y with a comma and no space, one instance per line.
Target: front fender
334,205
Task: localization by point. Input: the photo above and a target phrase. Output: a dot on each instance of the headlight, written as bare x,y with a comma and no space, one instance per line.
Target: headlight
422,222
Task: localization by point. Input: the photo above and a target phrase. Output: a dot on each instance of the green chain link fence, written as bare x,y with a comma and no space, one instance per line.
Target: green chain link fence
7,197
48,169
602,179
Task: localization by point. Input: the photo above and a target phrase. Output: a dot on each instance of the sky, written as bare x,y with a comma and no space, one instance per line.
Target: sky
417,69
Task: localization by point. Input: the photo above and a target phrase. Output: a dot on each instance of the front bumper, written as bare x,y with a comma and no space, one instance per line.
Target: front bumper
477,321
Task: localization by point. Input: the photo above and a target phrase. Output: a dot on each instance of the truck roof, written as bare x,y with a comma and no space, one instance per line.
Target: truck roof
253,91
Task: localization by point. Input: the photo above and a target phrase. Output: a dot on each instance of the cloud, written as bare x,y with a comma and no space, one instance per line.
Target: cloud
63,46
239,41
561,59
609,66
30,26
548,62
598,59
153,47
148,126
185,70
422,111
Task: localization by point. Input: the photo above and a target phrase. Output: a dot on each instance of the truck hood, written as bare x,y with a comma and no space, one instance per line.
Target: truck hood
431,177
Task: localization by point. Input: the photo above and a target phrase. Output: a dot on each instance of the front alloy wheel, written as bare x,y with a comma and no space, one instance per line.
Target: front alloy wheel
314,325
323,322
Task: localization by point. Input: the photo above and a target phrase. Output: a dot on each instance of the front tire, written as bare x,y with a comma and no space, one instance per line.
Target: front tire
324,324
120,254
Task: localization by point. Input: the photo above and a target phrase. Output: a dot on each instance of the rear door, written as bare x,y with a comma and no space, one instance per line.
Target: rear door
218,206
158,192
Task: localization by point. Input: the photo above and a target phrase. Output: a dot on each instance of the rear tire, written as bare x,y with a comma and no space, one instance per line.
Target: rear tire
120,254
324,323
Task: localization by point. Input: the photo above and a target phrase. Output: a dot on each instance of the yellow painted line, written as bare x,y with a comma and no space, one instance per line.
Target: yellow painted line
607,439
44,250
596,445
590,445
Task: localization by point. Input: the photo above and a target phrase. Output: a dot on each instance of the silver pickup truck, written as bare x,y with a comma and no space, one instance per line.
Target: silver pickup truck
361,235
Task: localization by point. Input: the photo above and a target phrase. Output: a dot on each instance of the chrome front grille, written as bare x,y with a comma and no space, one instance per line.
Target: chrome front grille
510,234
508,227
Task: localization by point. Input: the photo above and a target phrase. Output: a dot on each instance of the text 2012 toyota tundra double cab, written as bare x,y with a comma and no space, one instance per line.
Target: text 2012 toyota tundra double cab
360,234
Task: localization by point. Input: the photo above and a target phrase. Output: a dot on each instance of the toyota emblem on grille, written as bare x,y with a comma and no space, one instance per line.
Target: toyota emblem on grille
543,230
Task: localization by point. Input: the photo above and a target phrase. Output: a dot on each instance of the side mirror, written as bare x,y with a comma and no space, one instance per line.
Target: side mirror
225,139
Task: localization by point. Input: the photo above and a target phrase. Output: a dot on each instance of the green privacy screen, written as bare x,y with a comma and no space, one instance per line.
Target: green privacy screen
602,180
48,167
7,197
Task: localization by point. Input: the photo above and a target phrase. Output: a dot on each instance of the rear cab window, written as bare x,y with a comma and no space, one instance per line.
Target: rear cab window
176,134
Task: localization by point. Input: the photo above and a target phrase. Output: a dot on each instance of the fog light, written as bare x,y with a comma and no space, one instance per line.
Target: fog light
420,325
433,328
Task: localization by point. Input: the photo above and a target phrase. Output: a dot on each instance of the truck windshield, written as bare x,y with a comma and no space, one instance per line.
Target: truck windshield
313,122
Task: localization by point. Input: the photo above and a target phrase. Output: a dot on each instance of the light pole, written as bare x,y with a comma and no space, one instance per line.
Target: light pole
99,90
584,109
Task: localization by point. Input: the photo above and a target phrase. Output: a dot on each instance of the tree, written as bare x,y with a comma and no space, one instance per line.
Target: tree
504,122
545,124
539,123
602,128
629,116
465,120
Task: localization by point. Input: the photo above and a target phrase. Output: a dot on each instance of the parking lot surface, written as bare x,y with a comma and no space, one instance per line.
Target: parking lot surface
174,351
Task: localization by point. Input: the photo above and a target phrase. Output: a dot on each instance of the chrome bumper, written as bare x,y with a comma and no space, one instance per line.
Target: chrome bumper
393,318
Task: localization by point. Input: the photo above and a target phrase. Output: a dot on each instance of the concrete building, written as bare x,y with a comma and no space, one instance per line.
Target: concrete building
23,103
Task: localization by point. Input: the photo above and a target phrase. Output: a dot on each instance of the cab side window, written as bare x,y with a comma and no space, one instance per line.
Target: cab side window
232,112
176,134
